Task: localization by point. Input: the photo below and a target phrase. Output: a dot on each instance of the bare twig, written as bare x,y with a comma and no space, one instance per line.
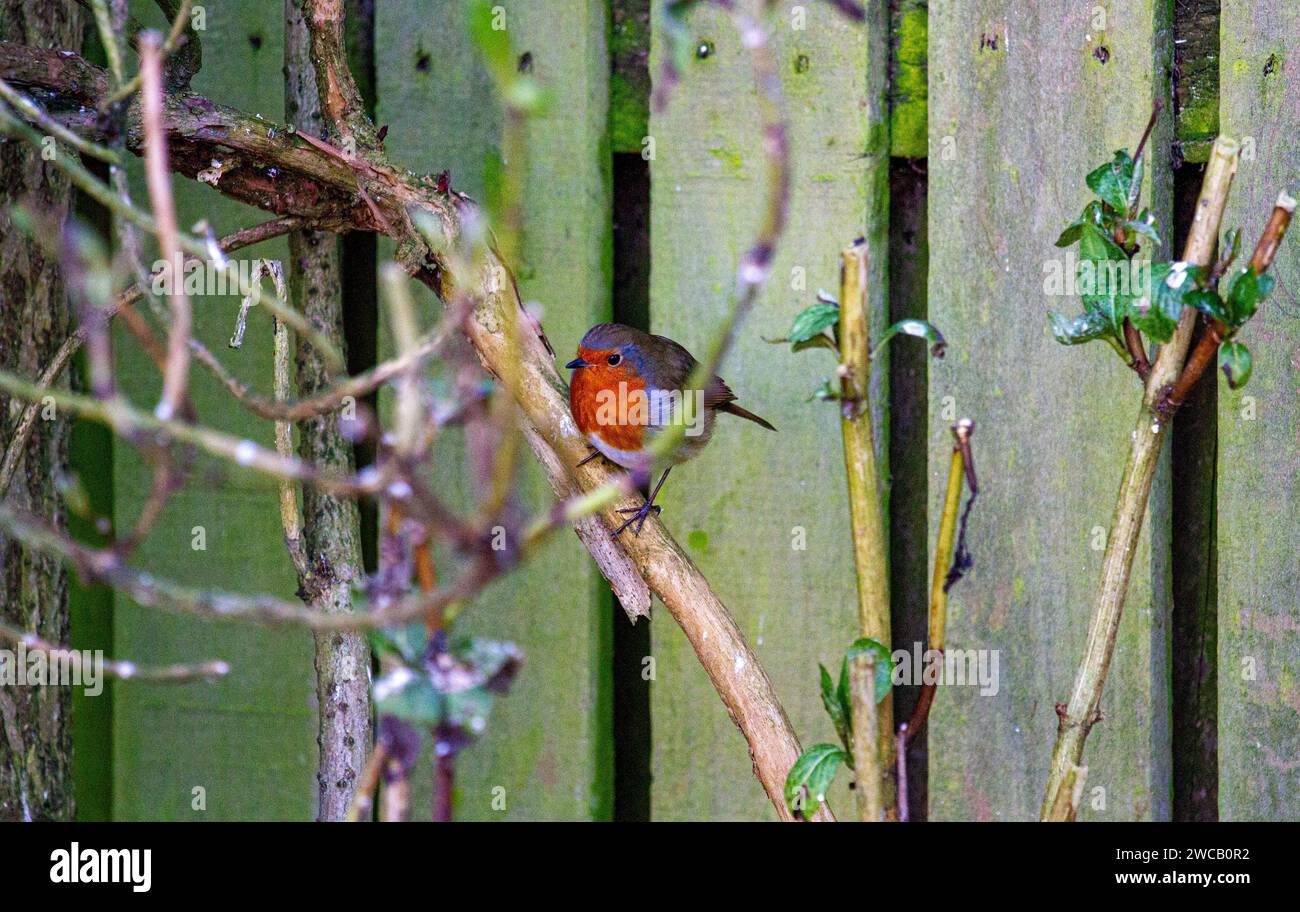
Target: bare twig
174,38
960,471
159,178
113,668
123,302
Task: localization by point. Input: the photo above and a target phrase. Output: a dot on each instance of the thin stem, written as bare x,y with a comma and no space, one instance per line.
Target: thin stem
120,669
290,520
1083,710
29,109
159,179
870,548
943,551
868,768
1215,331
168,47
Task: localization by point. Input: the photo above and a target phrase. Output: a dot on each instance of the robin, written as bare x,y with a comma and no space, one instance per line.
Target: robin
627,386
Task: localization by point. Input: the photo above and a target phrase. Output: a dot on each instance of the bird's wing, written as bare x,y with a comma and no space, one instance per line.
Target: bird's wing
677,366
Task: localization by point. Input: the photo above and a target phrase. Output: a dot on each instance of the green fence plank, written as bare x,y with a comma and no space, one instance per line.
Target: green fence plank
1196,86
763,514
249,741
1259,462
548,743
1023,103
629,78
908,100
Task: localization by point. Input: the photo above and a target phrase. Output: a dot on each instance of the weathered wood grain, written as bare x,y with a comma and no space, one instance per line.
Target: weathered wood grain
1025,98
764,515
248,741
548,744
1259,439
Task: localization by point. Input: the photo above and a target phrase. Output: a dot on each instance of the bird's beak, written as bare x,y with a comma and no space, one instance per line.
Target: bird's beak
577,362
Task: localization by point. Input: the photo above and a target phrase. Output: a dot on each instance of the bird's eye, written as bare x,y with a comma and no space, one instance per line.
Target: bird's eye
614,359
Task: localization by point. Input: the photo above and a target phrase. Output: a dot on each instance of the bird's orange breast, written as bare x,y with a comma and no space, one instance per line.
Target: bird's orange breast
601,404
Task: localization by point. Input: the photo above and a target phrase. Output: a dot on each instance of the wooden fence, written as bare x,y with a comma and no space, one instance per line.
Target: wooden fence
980,118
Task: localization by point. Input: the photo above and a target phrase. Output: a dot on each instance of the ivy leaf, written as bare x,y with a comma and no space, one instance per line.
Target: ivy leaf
1113,181
837,708
810,777
813,321
884,664
919,328
1236,363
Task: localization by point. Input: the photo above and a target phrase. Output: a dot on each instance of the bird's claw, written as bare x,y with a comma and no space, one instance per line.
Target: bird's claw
639,516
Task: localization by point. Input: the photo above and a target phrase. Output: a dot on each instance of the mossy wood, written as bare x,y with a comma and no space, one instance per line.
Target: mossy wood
1023,103
764,515
1258,461
249,741
547,749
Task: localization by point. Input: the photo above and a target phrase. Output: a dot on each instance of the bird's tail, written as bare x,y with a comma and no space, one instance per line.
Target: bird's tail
745,413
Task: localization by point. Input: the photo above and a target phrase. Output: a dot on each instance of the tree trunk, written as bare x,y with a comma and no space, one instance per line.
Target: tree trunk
331,525
35,721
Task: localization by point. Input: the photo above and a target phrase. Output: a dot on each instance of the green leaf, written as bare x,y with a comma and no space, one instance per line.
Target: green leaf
409,695
1236,363
1171,285
826,392
520,92
821,340
1095,244
884,663
813,321
918,328
1145,225
1092,215
1083,328
1134,184
810,777
1105,278
407,642
1113,181
1207,302
1246,289
1230,246
836,708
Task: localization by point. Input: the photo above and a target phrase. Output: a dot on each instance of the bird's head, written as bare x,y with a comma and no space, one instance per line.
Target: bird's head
609,354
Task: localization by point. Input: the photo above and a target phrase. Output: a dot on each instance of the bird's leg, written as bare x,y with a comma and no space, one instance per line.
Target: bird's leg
592,455
639,514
